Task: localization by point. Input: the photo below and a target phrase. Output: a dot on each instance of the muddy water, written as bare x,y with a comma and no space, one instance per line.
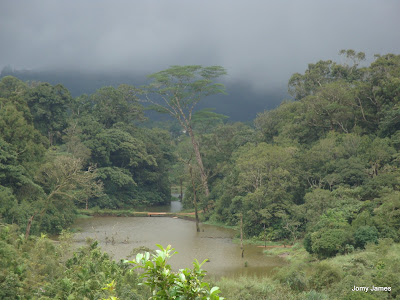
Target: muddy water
119,235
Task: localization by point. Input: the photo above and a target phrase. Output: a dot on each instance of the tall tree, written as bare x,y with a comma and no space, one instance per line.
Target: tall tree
49,105
64,181
322,72
24,138
112,105
177,91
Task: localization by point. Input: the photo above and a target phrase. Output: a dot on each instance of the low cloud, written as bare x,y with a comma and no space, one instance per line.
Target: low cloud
259,42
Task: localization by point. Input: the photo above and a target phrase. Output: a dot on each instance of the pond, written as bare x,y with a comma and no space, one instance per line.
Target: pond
119,235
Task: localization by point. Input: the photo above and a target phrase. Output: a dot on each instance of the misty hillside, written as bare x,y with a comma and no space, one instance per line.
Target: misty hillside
241,104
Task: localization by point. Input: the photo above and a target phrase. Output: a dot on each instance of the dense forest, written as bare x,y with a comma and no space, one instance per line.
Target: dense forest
323,169
232,104
59,153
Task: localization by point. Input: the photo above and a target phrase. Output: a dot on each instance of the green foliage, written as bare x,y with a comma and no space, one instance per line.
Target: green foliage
334,278
63,182
249,288
7,202
11,87
16,130
387,215
133,169
111,106
294,278
324,72
307,243
364,235
177,91
118,148
48,105
39,268
26,265
85,133
327,243
317,202
88,271
344,131
189,82
165,284
324,276
324,167
329,236
205,120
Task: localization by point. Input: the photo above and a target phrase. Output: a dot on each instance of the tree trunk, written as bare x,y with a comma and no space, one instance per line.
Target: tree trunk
181,182
199,162
51,134
265,238
194,199
241,234
196,215
28,227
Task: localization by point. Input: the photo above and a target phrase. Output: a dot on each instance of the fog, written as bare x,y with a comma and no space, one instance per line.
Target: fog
260,43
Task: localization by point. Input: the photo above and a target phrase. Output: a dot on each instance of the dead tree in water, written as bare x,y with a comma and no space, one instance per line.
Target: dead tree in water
194,198
189,165
181,183
241,234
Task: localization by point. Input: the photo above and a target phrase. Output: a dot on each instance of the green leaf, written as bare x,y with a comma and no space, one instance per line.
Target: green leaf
139,257
215,290
182,277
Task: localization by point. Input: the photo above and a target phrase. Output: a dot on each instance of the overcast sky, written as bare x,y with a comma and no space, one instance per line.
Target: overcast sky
261,42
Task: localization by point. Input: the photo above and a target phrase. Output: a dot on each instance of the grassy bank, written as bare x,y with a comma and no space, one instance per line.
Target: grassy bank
219,224
110,213
249,241
306,277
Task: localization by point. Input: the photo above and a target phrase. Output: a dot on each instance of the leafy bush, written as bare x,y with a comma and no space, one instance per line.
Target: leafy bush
313,295
327,243
365,234
308,243
324,276
165,284
294,278
250,288
88,271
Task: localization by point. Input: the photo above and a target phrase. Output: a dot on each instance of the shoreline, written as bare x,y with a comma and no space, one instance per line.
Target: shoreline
83,213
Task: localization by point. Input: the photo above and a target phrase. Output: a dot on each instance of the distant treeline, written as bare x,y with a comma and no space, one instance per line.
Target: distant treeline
241,104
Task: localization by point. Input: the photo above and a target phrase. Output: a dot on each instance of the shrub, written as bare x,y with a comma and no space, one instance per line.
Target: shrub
165,284
327,243
313,295
365,234
359,296
88,271
308,243
294,278
325,275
